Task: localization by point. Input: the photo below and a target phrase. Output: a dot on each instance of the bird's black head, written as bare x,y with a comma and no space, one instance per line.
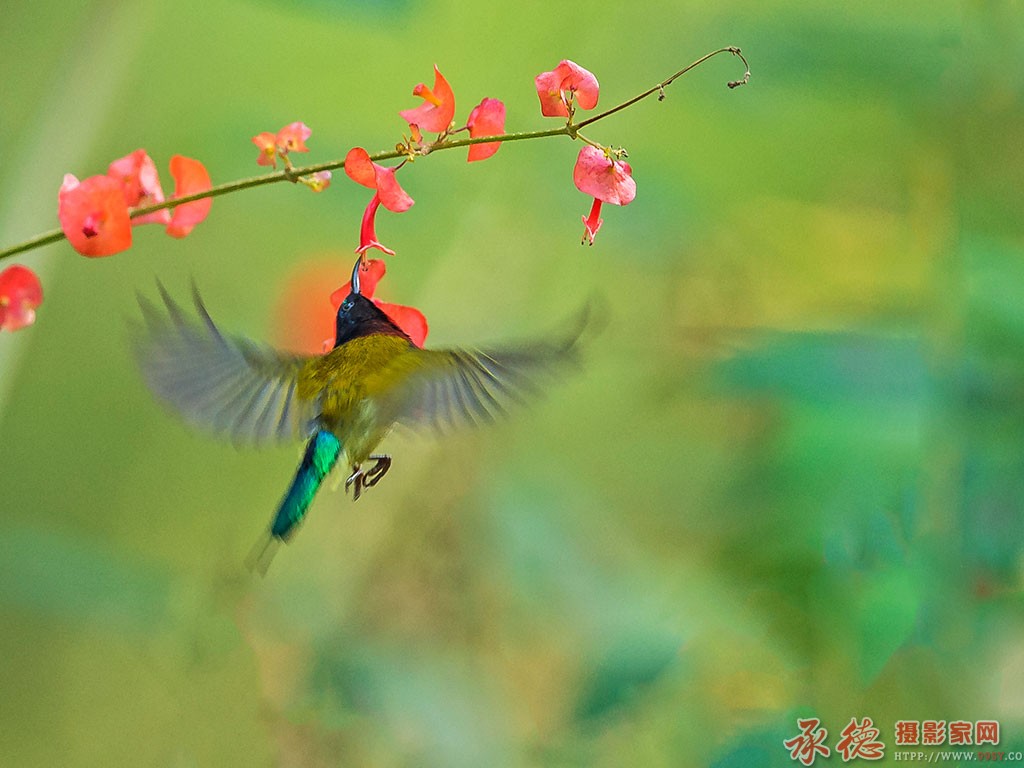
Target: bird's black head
358,316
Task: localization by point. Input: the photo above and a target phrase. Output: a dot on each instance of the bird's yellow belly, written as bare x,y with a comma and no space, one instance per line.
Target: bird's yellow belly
346,382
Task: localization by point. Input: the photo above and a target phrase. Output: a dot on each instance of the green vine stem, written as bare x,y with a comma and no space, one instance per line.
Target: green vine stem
292,174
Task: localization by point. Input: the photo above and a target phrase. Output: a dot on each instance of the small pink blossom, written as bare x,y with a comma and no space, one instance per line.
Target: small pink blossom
292,138
266,142
138,173
566,82
20,294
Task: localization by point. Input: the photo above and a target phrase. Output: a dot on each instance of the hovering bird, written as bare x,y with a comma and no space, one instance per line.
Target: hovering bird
341,402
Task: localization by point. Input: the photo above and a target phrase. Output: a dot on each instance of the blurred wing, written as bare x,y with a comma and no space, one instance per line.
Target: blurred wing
455,387
226,384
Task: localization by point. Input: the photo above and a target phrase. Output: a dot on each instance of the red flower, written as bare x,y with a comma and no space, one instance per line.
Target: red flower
190,177
20,294
486,119
409,319
609,181
94,215
137,172
566,82
438,108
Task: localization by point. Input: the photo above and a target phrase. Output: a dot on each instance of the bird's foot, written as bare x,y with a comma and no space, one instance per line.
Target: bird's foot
361,479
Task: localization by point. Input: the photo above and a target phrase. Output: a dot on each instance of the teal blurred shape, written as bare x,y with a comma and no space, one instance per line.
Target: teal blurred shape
66,577
905,61
435,704
760,750
830,368
626,672
885,607
341,8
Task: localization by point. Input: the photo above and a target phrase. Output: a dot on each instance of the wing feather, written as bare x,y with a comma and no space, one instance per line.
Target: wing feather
222,383
458,387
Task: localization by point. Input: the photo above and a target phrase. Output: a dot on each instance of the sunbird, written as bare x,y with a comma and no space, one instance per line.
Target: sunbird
342,402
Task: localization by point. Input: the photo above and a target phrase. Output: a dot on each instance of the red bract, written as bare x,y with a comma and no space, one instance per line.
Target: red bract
598,175
362,170
486,119
438,108
94,215
190,177
20,294
137,172
409,319
561,85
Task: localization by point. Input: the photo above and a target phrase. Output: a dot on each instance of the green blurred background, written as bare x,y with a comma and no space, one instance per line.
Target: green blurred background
788,483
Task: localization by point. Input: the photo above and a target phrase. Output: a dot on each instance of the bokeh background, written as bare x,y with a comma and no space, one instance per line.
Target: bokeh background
789,481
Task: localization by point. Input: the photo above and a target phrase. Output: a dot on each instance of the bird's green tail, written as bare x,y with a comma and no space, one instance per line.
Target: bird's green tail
321,455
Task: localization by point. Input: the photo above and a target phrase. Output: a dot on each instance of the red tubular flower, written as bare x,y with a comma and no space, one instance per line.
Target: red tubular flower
20,294
607,180
438,108
190,177
486,119
409,319
559,86
138,173
94,215
592,223
368,230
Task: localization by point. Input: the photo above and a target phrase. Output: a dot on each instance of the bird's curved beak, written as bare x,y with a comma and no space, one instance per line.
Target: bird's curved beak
355,275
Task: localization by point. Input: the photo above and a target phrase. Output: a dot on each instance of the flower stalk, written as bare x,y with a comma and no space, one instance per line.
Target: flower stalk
291,173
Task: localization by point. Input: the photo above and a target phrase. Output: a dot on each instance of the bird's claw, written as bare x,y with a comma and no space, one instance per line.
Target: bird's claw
369,478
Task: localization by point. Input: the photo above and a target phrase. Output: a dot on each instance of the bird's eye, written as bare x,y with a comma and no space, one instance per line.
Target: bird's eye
348,305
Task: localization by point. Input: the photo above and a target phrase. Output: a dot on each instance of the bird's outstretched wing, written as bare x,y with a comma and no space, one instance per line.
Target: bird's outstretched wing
456,387
223,383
